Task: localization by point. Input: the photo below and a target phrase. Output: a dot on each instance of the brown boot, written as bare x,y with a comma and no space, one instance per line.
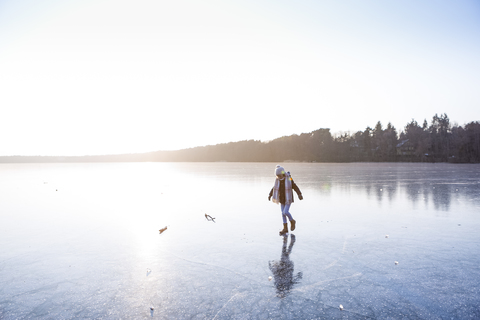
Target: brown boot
292,224
285,230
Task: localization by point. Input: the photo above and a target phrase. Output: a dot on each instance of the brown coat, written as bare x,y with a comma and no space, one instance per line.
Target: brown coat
282,191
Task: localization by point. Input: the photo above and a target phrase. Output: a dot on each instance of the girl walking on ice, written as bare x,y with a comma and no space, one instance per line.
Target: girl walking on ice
282,193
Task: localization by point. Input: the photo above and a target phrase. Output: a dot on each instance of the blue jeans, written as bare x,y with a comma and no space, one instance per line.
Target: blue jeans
285,213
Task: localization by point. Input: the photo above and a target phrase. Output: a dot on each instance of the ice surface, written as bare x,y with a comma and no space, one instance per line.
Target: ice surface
372,241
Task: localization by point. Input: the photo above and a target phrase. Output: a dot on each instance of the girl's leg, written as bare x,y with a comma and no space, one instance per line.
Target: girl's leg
284,217
286,213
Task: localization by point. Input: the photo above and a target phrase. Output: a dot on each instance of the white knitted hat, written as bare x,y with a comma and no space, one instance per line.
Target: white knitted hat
279,170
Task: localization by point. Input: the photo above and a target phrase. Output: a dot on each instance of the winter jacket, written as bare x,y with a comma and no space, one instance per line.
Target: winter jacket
282,191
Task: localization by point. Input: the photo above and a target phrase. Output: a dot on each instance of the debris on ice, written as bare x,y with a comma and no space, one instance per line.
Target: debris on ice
209,217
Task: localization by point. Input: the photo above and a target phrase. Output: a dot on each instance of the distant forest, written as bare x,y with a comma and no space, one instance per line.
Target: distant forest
438,141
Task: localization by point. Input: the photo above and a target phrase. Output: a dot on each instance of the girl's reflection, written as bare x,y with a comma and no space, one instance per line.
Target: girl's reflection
283,270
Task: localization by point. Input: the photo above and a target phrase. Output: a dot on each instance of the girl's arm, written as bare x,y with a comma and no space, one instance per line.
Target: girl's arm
297,190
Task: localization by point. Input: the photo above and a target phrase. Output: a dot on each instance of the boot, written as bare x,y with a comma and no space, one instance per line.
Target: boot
285,230
292,224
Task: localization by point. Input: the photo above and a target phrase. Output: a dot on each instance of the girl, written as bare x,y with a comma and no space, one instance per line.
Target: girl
282,193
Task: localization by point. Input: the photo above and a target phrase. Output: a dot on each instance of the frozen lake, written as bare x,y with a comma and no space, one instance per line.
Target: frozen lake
384,240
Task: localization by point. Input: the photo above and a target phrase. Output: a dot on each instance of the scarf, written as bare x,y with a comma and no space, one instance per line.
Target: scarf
288,190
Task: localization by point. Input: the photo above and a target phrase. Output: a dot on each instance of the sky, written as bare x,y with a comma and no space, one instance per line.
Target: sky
86,77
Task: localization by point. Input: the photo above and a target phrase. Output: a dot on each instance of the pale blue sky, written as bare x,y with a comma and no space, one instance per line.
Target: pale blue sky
101,77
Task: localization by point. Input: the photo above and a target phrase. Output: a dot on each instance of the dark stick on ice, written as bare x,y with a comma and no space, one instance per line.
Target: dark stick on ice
162,230
209,217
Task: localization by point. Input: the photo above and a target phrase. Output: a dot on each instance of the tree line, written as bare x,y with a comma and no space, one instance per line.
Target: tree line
439,141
